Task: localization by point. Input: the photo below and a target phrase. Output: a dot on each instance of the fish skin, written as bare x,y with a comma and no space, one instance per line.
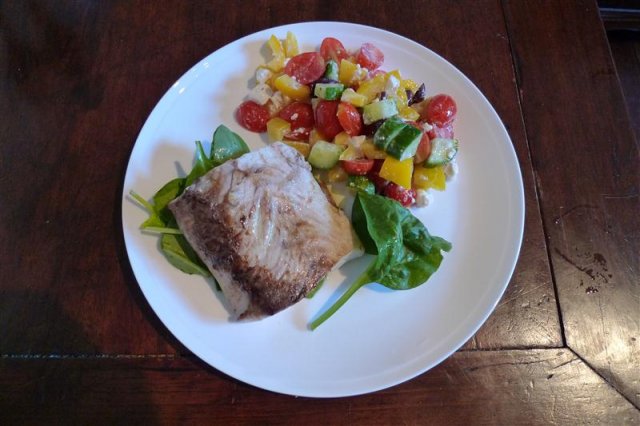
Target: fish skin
265,229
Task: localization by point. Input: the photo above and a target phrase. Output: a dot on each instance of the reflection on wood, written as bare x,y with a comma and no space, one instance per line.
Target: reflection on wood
588,171
550,386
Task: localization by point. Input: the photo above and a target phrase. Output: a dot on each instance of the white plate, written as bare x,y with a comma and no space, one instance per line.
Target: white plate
379,338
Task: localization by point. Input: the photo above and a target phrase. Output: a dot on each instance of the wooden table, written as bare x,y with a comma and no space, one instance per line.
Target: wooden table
78,341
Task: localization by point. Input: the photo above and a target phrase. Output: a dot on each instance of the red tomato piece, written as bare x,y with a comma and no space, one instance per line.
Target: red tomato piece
374,176
441,110
252,116
332,49
358,167
404,196
370,56
349,119
305,67
300,115
424,148
326,118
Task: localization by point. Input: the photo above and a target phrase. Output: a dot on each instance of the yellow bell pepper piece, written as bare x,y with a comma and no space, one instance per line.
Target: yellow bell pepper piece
395,73
291,45
409,84
336,174
429,177
277,63
291,88
370,88
350,153
342,138
408,113
315,136
401,98
398,172
372,152
355,99
302,147
347,72
277,128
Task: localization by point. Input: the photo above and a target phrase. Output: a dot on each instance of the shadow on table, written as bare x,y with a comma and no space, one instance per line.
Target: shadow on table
40,382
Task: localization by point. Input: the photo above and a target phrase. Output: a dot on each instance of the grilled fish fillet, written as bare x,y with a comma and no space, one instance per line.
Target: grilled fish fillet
265,229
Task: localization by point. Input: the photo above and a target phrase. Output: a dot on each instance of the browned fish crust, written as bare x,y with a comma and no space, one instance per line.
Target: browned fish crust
264,228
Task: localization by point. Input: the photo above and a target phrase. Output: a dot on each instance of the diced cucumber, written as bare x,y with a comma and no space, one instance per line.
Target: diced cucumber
329,91
325,155
405,143
387,131
442,151
331,70
379,110
361,183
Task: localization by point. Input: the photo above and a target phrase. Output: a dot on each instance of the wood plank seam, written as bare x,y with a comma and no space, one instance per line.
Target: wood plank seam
517,73
611,385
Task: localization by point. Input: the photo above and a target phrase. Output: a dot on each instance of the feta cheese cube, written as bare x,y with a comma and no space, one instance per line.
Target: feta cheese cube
263,75
451,170
261,94
423,197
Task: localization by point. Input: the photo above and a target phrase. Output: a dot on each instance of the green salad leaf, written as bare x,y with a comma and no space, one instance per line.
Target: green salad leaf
406,254
181,255
201,165
226,145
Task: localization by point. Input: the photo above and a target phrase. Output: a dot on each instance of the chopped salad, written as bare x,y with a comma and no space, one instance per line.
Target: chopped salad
354,121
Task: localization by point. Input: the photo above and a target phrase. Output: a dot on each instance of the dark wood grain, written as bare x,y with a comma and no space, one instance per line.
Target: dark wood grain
588,173
88,75
78,341
625,49
550,386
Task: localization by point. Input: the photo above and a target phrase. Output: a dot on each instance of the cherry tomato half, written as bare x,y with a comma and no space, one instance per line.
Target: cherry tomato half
370,57
441,110
358,167
326,118
349,119
424,148
374,176
305,67
252,116
300,115
332,49
404,196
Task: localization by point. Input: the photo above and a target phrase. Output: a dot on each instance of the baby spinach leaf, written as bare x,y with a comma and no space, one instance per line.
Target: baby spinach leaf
165,195
407,255
202,165
226,146
181,255
154,220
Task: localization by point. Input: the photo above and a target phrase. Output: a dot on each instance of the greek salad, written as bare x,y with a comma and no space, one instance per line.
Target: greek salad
375,129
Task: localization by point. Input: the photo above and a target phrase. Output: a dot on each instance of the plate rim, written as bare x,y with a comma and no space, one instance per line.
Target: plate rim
191,74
